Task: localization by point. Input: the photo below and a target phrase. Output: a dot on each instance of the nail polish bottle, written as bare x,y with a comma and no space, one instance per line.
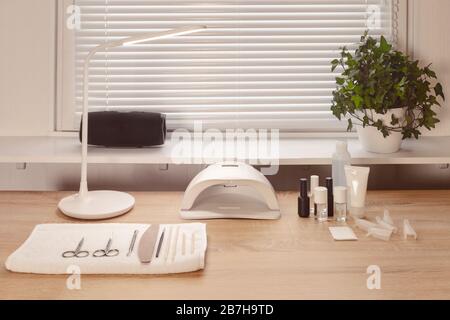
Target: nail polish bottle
313,184
303,200
340,203
330,200
320,198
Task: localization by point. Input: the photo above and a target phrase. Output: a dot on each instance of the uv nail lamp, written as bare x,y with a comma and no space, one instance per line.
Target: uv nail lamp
230,190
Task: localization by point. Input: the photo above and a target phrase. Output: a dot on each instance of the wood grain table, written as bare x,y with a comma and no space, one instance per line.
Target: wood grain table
290,258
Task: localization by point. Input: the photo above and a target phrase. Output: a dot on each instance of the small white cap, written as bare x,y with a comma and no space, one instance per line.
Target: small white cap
340,194
314,182
341,146
320,195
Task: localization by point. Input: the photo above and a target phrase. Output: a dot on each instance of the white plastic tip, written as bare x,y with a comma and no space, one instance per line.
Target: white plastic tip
380,233
387,217
383,224
408,230
365,224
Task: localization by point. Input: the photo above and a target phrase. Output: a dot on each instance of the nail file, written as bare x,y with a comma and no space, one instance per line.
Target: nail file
168,244
133,242
147,243
193,243
183,243
161,239
175,244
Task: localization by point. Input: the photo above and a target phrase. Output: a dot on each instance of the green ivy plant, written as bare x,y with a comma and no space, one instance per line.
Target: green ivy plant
375,79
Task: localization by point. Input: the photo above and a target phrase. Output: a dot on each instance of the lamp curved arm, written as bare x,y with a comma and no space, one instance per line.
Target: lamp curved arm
112,44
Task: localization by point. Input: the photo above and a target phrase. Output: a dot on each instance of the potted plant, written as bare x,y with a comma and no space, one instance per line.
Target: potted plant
388,96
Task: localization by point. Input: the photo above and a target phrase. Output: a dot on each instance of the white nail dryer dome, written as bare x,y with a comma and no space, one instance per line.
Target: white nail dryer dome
230,190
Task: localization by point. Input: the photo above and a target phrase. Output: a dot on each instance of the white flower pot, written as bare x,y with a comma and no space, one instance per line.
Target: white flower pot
372,139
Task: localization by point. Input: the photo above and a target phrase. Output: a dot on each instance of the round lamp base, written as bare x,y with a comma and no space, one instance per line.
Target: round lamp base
97,205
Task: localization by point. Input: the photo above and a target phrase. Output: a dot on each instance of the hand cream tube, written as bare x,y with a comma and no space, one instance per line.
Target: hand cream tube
357,186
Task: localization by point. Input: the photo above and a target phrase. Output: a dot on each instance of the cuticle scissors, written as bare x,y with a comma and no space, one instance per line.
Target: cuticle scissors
107,252
77,253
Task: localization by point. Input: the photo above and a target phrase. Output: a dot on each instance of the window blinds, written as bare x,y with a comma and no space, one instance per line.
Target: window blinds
260,64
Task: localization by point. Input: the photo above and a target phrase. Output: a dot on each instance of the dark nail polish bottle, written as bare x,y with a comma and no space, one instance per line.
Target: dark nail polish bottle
330,200
303,199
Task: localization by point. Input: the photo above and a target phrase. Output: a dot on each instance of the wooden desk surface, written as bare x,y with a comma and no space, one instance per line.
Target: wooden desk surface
290,258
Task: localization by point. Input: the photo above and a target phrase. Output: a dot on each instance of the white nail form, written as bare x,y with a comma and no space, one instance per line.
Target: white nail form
193,243
387,217
408,230
364,224
167,246
183,243
384,225
175,244
379,233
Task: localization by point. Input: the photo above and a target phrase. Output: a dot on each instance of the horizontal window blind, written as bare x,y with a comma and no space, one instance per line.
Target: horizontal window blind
260,63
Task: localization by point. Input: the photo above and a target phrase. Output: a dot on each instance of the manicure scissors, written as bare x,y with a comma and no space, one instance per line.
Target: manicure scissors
77,253
133,241
107,252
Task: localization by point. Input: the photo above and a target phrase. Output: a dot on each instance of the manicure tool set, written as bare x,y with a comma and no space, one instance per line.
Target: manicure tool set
150,245
155,244
123,248
112,248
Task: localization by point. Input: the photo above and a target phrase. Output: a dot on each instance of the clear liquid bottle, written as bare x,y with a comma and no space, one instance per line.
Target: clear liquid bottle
341,158
340,204
312,186
320,199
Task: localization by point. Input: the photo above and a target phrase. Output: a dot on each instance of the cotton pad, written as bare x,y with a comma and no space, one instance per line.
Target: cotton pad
343,234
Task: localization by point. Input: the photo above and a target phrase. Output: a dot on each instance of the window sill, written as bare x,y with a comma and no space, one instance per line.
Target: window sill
292,151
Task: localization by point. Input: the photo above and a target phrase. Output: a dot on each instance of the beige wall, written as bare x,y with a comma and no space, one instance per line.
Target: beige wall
431,44
27,66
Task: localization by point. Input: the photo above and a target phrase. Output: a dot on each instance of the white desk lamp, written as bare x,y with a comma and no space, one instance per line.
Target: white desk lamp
105,204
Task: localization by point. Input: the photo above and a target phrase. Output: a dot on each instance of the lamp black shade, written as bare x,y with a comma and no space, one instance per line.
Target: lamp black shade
126,129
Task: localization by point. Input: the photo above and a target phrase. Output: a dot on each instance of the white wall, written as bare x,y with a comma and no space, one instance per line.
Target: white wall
27,60
137,177
431,44
27,66
50,177
27,92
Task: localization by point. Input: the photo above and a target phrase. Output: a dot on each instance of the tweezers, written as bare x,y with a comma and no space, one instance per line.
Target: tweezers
133,241
161,239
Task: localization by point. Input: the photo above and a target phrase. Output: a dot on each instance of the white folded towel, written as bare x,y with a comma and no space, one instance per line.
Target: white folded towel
183,249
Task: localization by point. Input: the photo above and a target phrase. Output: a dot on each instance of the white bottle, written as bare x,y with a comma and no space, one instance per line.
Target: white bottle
320,200
340,203
340,159
312,186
